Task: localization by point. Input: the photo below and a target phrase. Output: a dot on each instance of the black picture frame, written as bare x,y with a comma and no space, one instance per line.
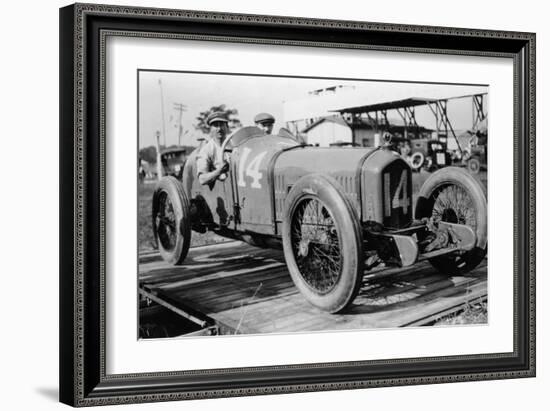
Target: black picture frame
83,381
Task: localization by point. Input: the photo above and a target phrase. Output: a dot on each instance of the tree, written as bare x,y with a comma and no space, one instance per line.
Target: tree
148,154
231,114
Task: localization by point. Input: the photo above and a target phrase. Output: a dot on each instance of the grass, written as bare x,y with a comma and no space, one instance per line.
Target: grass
472,313
145,227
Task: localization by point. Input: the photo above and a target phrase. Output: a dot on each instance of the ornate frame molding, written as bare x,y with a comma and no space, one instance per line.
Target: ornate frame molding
82,334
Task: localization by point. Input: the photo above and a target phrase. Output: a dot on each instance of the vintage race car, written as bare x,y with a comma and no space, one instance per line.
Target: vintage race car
335,211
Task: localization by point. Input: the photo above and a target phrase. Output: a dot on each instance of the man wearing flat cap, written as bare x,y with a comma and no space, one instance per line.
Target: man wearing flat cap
210,163
265,121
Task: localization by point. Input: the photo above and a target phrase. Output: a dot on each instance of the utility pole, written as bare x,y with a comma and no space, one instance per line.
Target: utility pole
180,108
162,112
159,161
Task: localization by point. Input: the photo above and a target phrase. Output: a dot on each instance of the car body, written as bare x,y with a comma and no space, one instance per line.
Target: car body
335,211
264,169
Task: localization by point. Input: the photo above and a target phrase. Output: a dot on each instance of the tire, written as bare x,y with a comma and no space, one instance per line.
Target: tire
474,165
171,220
325,263
449,195
416,160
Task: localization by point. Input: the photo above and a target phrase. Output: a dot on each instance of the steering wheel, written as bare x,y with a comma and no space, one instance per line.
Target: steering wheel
223,176
224,145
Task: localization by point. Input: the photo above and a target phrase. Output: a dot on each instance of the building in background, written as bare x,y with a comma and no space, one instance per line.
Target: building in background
328,130
361,114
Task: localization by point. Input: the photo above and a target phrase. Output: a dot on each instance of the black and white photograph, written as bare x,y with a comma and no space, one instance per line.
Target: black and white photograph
281,204
269,200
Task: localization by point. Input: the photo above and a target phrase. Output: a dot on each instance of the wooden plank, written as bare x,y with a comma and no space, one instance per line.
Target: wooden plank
225,291
223,281
403,313
172,307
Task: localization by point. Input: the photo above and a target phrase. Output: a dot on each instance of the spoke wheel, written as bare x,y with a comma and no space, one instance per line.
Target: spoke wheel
322,242
453,195
316,245
453,204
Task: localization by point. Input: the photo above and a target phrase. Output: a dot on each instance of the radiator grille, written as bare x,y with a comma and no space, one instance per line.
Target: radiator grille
397,195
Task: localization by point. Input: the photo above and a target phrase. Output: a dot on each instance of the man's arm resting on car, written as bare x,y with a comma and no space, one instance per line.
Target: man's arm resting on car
210,177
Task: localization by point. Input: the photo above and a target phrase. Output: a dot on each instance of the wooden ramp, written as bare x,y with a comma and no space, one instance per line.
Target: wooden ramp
248,290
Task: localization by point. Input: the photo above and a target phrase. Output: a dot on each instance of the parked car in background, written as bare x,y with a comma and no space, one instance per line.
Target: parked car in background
422,153
475,157
437,155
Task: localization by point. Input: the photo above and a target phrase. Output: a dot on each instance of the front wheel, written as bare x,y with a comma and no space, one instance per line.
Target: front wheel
322,243
171,220
452,195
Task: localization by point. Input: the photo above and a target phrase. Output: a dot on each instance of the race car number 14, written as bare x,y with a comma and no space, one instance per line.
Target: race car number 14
250,168
399,198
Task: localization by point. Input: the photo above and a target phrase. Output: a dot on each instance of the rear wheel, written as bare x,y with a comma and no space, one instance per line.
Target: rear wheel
453,195
474,165
322,243
171,220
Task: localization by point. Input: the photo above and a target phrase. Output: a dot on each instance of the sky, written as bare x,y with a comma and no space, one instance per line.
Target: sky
279,96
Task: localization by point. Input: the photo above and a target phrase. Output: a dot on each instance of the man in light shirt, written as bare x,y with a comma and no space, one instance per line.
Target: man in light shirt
210,163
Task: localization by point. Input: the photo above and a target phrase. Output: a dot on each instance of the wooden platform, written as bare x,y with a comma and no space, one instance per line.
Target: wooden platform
248,290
